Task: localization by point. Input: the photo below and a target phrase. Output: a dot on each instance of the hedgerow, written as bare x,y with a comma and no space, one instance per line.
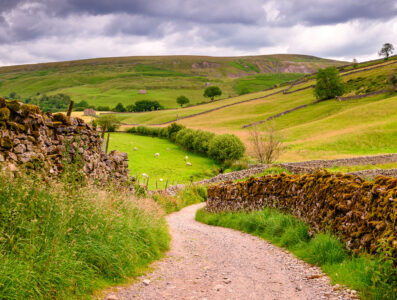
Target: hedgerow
218,147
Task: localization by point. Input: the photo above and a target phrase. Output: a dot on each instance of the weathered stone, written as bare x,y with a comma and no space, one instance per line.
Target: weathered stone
4,114
20,148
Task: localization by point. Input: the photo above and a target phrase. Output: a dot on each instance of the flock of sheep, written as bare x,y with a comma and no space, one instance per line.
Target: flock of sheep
168,149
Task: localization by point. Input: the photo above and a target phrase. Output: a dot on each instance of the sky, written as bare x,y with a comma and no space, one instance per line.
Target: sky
38,31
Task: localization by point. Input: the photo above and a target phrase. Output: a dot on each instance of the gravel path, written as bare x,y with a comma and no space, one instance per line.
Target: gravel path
207,262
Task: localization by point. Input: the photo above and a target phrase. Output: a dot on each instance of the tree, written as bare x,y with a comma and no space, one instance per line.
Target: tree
267,144
386,50
119,108
212,91
147,105
355,63
329,84
181,100
110,121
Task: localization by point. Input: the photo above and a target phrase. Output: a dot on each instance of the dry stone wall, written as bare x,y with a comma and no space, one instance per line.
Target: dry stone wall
362,213
31,138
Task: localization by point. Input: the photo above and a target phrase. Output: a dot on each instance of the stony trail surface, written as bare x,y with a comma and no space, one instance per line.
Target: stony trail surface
207,262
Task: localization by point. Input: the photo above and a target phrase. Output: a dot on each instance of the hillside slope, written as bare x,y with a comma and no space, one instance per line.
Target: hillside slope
107,81
328,129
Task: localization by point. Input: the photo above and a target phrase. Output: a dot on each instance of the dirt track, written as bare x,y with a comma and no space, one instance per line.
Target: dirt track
208,262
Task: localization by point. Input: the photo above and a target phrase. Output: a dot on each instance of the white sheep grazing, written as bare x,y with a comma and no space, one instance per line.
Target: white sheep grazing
144,175
135,149
189,164
156,154
186,157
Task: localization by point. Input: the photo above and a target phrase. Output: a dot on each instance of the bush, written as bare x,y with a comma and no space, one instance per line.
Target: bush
329,84
103,108
173,129
202,141
185,138
226,146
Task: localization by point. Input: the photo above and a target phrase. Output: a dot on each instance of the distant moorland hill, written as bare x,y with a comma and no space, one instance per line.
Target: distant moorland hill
108,81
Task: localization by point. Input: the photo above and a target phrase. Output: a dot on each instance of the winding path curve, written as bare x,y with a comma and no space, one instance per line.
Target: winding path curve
213,263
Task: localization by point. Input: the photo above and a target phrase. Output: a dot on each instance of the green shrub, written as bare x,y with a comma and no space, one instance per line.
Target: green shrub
202,141
226,146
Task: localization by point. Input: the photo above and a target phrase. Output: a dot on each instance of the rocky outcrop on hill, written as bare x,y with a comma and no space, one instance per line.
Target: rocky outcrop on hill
33,139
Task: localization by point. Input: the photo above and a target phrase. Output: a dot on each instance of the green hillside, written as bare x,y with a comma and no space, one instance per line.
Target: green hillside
324,130
108,81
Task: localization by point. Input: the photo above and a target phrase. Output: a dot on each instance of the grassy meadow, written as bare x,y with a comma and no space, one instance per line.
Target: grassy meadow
170,165
108,81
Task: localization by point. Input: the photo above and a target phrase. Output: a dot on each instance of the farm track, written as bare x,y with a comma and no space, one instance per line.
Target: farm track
208,262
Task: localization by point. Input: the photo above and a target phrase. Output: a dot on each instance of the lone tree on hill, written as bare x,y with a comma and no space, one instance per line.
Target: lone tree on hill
212,91
182,100
329,84
386,50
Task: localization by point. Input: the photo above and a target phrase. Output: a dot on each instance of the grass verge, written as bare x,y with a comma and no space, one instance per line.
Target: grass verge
372,277
189,195
64,239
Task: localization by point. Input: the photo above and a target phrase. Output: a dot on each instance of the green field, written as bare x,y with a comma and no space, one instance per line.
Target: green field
108,81
170,165
328,129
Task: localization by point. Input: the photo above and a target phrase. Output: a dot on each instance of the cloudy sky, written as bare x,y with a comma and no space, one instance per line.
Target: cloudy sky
33,31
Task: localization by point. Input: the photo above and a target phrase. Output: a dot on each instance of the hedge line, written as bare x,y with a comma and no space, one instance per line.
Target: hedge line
218,147
362,213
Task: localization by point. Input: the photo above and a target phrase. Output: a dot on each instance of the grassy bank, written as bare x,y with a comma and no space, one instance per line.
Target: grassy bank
170,165
64,239
373,278
189,195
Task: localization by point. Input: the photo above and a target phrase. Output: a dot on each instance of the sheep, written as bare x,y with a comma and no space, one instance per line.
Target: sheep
135,149
186,157
156,154
189,164
168,149
144,175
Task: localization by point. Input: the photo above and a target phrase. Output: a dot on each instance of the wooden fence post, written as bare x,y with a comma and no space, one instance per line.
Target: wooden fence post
69,113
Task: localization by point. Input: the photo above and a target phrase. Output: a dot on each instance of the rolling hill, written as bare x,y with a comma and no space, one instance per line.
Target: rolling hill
327,129
108,81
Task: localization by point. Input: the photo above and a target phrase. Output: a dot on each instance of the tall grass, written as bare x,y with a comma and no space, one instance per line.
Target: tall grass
372,277
187,196
63,239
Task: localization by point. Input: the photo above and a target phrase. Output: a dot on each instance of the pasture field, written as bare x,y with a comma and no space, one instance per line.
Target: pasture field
170,165
347,169
108,81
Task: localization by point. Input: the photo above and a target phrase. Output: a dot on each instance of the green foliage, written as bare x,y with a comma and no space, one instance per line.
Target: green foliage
119,108
103,108
212,92
147,105
226,146
182,100
53,103
110,121
63,240
386,50
328,84
373,277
